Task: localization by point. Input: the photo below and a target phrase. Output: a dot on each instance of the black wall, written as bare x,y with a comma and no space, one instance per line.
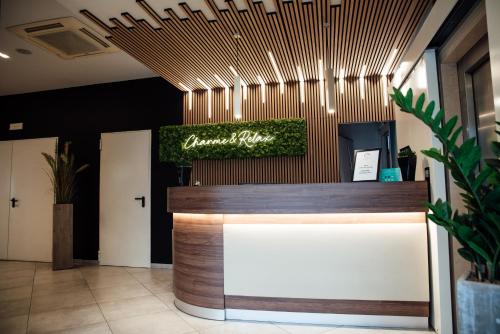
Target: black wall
80,115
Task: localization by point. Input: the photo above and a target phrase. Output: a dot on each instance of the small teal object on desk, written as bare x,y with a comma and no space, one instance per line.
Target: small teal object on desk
390,175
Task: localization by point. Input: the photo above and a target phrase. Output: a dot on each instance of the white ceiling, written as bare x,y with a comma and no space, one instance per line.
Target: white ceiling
44,71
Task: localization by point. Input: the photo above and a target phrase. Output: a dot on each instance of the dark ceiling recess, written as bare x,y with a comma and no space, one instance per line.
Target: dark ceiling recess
459,12
24,51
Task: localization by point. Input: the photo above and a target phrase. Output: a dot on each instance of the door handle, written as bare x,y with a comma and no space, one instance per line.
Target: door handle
142,199
14,201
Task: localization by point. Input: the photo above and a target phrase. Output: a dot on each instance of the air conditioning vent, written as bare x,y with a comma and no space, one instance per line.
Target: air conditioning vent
44,27
66,37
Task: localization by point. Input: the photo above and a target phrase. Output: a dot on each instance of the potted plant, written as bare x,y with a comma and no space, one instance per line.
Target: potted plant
184,168
63,178
407,161
477,230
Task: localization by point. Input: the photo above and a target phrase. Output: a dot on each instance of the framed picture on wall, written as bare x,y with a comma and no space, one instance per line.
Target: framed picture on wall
366,165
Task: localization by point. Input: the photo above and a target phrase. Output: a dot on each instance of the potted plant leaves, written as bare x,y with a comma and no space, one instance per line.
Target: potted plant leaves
407,161
63,178
478,229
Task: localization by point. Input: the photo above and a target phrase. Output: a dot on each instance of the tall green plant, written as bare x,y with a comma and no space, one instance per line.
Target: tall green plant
478,230
62,174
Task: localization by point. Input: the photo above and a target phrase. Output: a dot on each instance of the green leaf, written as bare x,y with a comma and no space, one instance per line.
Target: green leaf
409,99
466,254
420,103
429,111
478,249
448,127
435,154
495,147
452,141
481,177
436,122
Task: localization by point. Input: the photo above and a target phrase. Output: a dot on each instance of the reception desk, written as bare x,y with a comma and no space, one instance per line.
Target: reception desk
343,254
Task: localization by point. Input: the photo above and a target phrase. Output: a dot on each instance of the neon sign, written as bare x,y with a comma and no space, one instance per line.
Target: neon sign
246,137
238,140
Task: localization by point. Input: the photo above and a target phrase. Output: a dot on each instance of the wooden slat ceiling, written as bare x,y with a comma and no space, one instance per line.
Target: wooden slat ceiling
299,33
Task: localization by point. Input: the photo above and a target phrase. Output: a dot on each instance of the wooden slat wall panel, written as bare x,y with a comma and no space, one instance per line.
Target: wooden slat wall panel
298,33
321,163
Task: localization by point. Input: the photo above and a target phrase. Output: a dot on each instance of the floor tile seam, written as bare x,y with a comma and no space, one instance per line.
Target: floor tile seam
98,306
31,299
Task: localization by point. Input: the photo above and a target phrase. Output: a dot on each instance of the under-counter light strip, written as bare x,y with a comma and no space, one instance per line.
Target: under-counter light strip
190,95
262,88
226,91
209,97
278,74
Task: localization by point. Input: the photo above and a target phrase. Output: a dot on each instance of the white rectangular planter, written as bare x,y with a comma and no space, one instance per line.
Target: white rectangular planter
478,307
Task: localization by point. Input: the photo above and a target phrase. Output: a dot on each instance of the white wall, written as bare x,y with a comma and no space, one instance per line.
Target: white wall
411,131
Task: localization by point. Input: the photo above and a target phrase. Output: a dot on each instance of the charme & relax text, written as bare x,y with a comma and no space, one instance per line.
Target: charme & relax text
245,137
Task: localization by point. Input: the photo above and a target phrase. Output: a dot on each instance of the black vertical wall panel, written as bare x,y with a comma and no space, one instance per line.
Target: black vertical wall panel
80,115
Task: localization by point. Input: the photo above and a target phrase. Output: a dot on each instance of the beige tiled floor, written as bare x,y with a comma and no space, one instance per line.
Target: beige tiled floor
101,299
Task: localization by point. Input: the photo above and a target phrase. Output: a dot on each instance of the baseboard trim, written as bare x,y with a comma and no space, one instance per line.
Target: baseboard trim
329,319
82,261
161,265
334,306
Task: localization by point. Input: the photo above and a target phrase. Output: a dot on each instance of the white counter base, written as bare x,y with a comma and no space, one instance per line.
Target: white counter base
304,318
200,312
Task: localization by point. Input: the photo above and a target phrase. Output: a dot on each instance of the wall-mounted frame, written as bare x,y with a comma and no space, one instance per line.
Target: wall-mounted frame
366,165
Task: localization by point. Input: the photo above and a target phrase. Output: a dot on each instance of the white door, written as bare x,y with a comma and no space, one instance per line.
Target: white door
30,222
5,165
124,217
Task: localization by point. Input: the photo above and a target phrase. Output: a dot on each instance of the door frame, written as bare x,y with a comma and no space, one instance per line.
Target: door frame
54,152
148,192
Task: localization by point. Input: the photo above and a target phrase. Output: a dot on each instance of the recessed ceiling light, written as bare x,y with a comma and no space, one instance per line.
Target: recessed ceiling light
388,65
24,51
209,90
243,83
301,84
190,95
363,72
262,88
4,55
321,77
277,71
226,90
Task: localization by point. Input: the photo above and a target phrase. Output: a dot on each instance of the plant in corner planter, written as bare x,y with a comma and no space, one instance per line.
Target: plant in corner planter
477,230
407,161
62,175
